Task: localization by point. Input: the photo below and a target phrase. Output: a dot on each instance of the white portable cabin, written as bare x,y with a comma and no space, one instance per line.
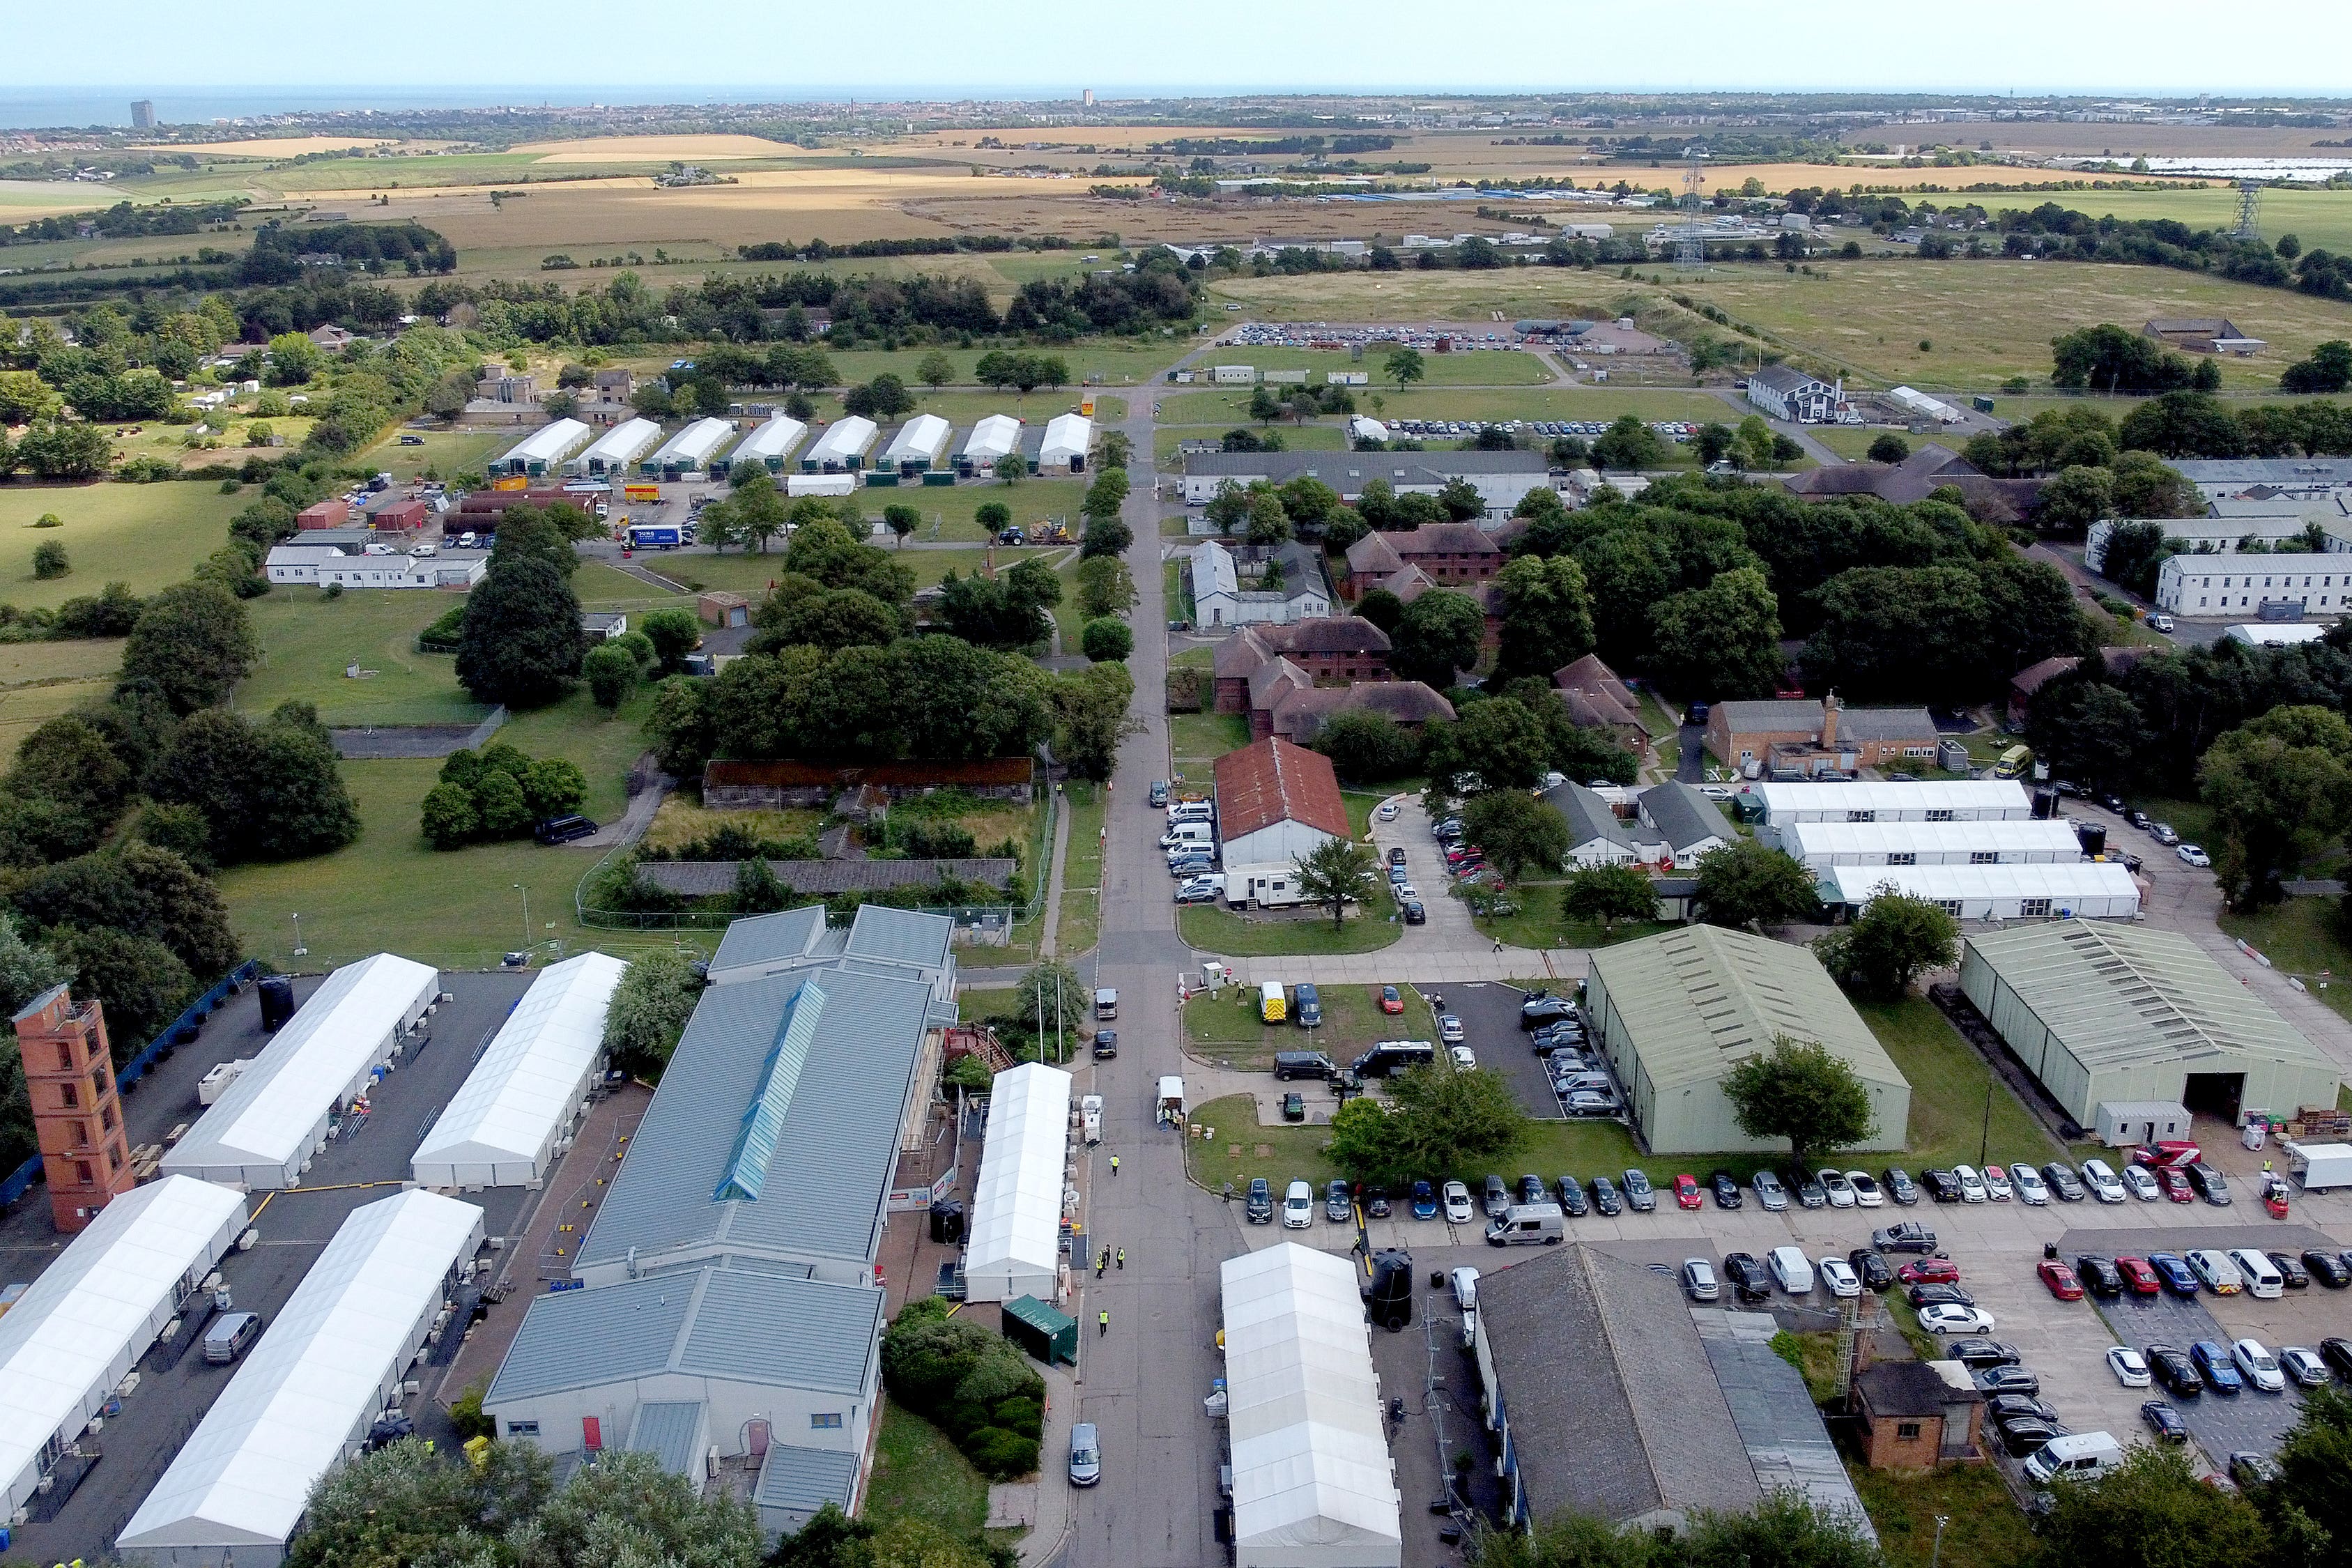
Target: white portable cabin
505,1124
1873,800
304,1400
266,1126
843,448
1015,1245
1067,439
1314,1486
993,437
771,443
544,448
690,450
820,484
617,450
70,1339
2087,890
1821,845
918,444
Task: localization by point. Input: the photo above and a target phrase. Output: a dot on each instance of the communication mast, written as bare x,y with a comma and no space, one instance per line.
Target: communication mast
2250,198
1690,244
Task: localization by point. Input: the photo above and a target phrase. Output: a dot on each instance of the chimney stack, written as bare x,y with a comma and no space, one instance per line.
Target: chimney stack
1829,705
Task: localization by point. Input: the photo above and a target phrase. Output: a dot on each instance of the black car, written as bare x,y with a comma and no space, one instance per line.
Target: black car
1533,1191
2337,1354
2009,1406
1976,1353
2027,1435
1605,1198
1748,1277
2327,1268
1572,1200
1106,1044
2248,1469
1538,1010
1871,1269
1942,1185
1900,1186
2113,803
1810,1192
1376,1203
1414,913
2174,1372
1726,1190
1938,1296
2006,1380
2138,819
2099,1275
2164,1421
1294,1107
1910,1235
2211,1184
2064,1181
1258,1208
2296,1276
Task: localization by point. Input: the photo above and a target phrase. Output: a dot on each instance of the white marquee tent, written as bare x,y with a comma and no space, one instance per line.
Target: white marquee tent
308,1394
1017,1210
1821,845
1313,1483
2087,890
993,436
1068,437
66,1343
263,1129
500,1128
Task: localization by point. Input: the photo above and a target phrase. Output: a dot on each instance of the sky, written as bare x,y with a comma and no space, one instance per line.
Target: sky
1034,47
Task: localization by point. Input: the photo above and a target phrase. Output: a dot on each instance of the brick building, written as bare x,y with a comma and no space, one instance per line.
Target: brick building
1334,650
1450,554
77,1109
1800,738
1914,1417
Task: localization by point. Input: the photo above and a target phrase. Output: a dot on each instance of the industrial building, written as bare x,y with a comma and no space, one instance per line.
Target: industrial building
919,446
2004,842
617,450
1677,1011
1069,437
1786,393
513,1116
308,1392
68,1341
689,451
1276,803
324,565
2112,1016
994,435
1015,1245
842,448
771,443
1775,807
904,943
1313,1484
1220,600
2223,587
2082,889
1501,479
266,1124
544,448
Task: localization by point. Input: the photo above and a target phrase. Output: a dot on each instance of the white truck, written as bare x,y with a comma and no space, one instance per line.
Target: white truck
1172,1102
1090,1117
1264,886
2319,1167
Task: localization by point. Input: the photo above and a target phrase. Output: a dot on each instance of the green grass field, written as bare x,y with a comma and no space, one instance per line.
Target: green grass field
1212,927
1114,363
1167,438
1228,1027
1223,410
39,681
1949,1084
1984,1528
918,1473
1482,367
308,640
149,536
2302,936
2320,219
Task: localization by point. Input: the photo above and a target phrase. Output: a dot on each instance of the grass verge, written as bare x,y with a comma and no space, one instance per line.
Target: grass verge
917,1473
1215,928
1081,915
1951,1088
1983,1527
2302,937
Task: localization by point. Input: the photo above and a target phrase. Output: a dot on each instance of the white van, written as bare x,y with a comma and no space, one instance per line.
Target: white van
2085,1456
1792,1269
1189,811
1194,834
1527,1225
2264,1281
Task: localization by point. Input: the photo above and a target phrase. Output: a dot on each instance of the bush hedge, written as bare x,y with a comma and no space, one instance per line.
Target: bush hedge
971,1384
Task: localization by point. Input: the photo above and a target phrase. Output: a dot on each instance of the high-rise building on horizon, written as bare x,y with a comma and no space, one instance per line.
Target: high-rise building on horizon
142,114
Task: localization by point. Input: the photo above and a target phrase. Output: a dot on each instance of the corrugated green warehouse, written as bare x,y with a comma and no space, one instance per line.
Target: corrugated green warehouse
1677,1011
2104,1013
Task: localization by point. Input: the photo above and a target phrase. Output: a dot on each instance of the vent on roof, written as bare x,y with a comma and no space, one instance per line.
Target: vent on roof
771,1097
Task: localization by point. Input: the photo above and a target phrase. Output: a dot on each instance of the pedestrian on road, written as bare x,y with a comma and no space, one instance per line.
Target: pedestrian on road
1102,1325
1113,1165
1102,1262
1122,1258
1498,944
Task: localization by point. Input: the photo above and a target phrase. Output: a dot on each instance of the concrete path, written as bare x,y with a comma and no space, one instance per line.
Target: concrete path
1049,939
632,824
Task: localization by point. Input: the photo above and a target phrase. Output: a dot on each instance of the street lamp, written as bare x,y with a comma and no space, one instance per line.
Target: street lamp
298,949
526,912
1933,1557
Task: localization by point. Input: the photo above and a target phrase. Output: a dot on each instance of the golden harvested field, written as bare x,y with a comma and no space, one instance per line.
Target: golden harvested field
2083,138
662,149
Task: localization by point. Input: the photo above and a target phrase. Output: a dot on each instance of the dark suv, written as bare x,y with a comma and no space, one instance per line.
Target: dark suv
1909,1236
1258,1207
2210,1184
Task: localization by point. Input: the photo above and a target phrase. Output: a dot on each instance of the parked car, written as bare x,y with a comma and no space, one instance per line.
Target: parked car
2337,1353
1339,1201
2105,1185
1085,1454
2251,1469
2291,1270
2215,1366
1996,1181
1909,1236
1415,912
2191,855
1532,1190
2064,1182
1749,1280
1293,1107
1871,1268
1938,1296
1297,1206
1699,1282
1811,1193
2023,1440
2009,1406
2211,1184
1971,1185
1391,1001
1450,1031
1458,1207
2327,1268
2258,1366
1901,1187
1930,1271
1540,1009
2172,1368
2177,1276
2060,1280
1770,1194
1866,1192
2139,1183
1376,1203
2215,1271
2138,1275
1942,1185
2164,1421
1258,1206
1588,1103
1841,1191
2303,1366
1424,1200
2099,1275
1687,1193
2006,1380
1605,1198
1841,1280
1572,1200
2175,1184
1640,1196
1726,1190
2029,1186
1950,1319
2129,1366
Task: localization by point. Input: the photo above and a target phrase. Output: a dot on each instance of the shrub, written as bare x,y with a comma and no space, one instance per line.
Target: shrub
49,561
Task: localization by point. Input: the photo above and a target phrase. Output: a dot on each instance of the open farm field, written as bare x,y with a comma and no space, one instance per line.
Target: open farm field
1118,362
2320,219
2077,138
39,681
689,262
687,149
290,146
146,535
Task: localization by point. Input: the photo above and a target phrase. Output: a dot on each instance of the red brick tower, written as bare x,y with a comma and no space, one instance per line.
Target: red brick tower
76,1109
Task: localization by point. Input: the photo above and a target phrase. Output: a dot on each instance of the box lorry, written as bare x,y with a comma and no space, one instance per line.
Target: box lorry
1264,886
2319,1167
655,536
1170,1101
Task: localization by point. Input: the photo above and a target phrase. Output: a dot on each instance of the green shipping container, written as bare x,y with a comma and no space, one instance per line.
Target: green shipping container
939,477
884,478
1043,1334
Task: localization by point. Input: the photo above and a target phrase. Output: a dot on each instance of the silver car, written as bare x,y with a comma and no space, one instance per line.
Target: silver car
2139,1183
1770,1193
1700,1284
2028,1183
2101,1178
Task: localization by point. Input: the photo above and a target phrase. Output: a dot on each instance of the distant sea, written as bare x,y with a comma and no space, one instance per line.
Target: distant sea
23,108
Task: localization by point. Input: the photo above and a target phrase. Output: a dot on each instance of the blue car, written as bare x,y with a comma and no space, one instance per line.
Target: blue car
2212,1358
2174,1272
1424,1200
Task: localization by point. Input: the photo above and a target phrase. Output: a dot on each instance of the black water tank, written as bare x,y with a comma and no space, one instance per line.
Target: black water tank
1387,1296
2093,836
277,1002
2045,804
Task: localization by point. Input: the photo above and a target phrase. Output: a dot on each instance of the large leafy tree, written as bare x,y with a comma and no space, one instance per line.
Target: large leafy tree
521,644
141,890
1800,1091
1369,748
2155,1496
1604,895
1547,615
1497,742
141,983
1747,884
1438,1121
1090,715
1516,831
1336,873
2279,785
649,1010
1722,640
1895,939
193,643
2310,1506
1439,634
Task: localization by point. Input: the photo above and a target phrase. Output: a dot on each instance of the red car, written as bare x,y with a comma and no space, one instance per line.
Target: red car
2171,1151
2138,1278
2060,1280
1389,1001
1930,1271
2175,1184
1686,1192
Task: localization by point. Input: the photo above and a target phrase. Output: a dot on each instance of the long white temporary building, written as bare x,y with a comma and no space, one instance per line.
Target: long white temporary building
1015,1245
690,450
70,1339
1313,1483
820,484
1067,438
506,1122
1875,800
990,438
918,444
263,1129
771,443
2001,842
2087,890
1360,428
308,1392
843,448
543,448
617,448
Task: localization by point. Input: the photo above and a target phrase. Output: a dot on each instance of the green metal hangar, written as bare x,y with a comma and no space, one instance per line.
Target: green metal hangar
1677,1011
2120,1022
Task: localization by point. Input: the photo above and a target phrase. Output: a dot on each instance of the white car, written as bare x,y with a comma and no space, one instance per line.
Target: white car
1867,1190
2129,1366
1387,813
1463,1057
1839,1276
2101,1178
1457,1204
1997,1187
2139,1183
2192,856
2304,1366
1840,1190
1464,1281
2258,1366
2029,1184
1951,1317
2220,1276
1972,1187
1298,1207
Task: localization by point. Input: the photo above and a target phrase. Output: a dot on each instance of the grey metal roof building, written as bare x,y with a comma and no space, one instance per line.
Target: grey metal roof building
1596,834
2109,1014
907,943
1690,823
